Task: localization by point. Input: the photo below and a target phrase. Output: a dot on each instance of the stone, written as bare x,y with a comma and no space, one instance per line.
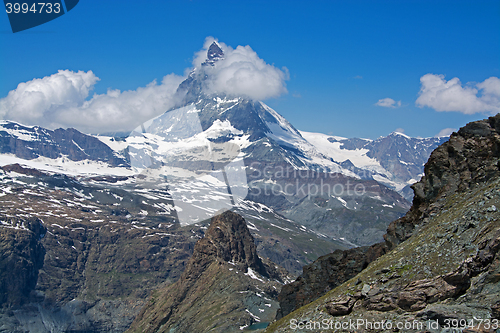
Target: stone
365,290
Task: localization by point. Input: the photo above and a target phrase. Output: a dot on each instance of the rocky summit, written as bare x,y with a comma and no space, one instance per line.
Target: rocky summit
226,287
442,266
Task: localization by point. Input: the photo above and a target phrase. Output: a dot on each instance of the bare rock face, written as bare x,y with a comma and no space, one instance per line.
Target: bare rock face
324,274
416,295
224,288
21,256
228,239
470,157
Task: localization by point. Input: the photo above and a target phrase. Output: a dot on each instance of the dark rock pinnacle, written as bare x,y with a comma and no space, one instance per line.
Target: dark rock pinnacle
214,54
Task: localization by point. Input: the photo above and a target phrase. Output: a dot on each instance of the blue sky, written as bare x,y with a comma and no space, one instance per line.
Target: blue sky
342,56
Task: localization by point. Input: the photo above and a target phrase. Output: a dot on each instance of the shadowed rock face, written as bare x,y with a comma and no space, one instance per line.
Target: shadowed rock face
324,274
21,256
214,53
468,161
228,239
224,283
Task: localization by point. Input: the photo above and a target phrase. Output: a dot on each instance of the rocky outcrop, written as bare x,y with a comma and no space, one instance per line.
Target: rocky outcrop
470,157
225,286
227,239
467,161
418,294
324,274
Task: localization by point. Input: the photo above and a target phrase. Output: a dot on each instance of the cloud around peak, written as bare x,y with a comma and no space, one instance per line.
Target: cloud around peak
441,95
445,132
241,73
63,99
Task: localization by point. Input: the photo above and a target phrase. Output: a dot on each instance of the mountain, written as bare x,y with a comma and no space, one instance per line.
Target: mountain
216,151
225,287
396,160
36,144
246,149
442,261
104,221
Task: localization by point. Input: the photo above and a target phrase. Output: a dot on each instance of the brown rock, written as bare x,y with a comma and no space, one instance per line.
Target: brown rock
340,307
324,274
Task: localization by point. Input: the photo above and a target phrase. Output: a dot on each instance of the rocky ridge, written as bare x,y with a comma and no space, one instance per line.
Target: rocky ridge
226,287
442,260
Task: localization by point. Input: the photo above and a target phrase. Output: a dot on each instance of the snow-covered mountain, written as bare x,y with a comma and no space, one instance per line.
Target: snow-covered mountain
216,152
396,160
62,150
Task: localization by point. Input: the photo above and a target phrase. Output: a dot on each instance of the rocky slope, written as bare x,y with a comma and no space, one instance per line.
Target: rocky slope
71,261
324,274
226,287
21,256
442,262
83,254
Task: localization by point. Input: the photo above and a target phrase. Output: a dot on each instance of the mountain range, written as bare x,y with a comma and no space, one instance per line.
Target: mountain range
94,225
242,146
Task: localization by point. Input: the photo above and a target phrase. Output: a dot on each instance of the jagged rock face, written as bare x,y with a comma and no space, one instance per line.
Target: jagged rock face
214,54
223,284
229,239
470,157
21,256
324,274
442,259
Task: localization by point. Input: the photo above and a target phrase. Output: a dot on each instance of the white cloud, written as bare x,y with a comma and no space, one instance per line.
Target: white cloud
63,99
399,130
241,73
442,95
59,100
30,101
445,132
388,103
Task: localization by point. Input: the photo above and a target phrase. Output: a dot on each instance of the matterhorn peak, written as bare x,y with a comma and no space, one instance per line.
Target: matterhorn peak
214,54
